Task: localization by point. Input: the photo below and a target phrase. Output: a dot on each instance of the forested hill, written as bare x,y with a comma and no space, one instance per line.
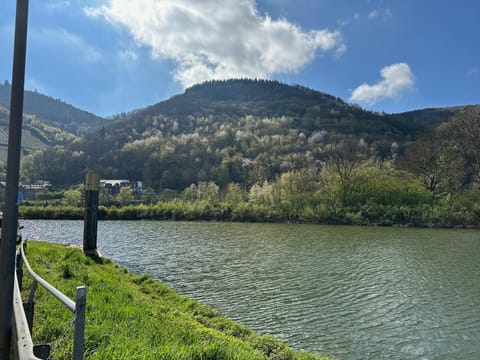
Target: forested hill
241,131
54,111
310,110
36,135
428,117
265,98
247,97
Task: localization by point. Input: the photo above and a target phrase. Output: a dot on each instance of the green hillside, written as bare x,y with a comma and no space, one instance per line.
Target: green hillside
55,111
308,109
240,131
36,134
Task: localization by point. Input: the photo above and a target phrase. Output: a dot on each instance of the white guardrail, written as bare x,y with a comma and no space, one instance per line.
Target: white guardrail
23,346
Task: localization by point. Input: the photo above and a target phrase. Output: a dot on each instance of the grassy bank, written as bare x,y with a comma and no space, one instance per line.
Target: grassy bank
134,317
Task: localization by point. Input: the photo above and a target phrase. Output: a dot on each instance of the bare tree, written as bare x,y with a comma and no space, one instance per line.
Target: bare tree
344,156
421,159
462,134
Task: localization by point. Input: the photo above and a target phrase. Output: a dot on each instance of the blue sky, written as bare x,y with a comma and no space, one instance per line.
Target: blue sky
112,56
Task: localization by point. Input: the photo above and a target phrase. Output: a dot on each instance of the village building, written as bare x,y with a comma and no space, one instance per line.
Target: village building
26,192
29,191
113,186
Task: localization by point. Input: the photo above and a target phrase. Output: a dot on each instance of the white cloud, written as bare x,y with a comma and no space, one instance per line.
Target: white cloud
396,79
56,5
128,55
474,71
218,39
342,22
373,14
382,14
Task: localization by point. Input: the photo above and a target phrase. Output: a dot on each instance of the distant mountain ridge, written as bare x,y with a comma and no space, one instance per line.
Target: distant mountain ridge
269,98
246,97
55,111
310,109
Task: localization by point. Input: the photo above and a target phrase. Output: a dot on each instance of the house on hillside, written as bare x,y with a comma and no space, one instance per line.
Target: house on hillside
26,192
30,191
113,186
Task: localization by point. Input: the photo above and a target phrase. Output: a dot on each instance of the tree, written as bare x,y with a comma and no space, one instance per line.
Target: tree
149,196
421,159
234,194
344,157
208,191
462,134
72,198
451,166
58,165
293,187
261,194
125,197
203,191
104,197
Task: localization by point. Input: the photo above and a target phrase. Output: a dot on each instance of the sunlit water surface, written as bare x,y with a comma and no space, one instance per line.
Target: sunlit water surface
352,292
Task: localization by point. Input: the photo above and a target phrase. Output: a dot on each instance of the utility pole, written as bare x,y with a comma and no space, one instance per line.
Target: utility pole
10,213
91,215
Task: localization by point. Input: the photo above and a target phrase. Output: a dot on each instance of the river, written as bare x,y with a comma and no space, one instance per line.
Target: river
351,292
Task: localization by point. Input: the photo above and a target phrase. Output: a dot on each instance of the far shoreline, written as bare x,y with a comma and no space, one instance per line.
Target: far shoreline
173,212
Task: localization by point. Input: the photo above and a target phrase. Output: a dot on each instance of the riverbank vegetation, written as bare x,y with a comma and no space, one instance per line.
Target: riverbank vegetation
376,198
134,317
368,194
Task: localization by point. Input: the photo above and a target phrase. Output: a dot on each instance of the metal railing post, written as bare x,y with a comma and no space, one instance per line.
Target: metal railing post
19,263
79,331
29,306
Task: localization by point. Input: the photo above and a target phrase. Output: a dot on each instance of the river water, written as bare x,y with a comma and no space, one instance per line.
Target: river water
351,292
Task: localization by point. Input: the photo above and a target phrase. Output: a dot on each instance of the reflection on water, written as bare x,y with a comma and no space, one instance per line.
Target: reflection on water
357,293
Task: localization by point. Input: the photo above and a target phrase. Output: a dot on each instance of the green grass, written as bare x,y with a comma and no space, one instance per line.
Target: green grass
134,317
